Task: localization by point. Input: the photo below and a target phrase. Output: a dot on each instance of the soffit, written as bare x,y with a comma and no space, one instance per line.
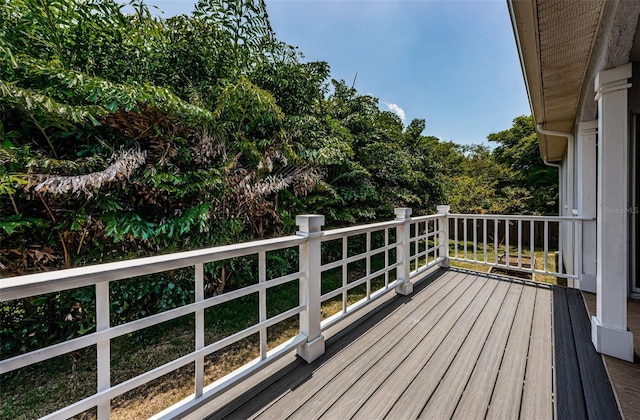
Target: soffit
555,39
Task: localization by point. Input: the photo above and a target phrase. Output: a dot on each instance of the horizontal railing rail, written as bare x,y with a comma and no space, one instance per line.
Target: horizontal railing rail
355,230
54,281
377,258
517,217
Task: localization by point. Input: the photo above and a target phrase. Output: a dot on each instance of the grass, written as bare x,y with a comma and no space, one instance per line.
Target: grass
34,391
538,258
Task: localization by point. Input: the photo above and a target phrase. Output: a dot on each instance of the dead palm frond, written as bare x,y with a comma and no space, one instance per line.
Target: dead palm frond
122,167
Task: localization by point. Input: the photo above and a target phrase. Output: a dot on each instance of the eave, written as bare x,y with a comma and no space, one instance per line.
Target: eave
555,41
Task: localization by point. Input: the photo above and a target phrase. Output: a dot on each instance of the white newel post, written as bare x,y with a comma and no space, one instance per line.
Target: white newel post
609,327
403,272
444,236
586,162
310,227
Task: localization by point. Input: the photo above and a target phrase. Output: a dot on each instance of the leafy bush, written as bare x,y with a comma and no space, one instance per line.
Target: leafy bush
127,135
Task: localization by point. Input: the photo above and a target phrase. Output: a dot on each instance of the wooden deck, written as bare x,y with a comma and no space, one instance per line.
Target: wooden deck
462,346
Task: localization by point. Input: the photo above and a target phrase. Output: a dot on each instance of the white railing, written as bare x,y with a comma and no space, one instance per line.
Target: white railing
100,276
419,238
368,262
511,244
388,257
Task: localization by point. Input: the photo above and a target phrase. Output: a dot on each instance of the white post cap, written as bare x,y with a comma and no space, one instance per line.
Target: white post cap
309,223
402,213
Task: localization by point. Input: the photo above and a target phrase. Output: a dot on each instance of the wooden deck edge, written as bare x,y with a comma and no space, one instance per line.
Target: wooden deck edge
569,400
591,313
613,387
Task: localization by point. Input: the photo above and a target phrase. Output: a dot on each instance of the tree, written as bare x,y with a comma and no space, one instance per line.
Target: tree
518,151
143,142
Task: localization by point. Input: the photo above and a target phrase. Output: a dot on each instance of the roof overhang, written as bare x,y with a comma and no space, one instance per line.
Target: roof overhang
555,41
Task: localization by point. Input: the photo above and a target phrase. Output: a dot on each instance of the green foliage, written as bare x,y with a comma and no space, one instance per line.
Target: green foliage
517,150
15,222
372,164
32,323
245,22
127,135
127,226
299,88
140,297
511,179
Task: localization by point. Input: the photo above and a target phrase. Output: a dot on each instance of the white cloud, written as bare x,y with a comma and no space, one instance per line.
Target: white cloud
396,110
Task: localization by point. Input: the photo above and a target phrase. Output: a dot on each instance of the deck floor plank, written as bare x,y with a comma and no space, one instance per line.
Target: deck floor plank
624,375
417,394
477,394
353,399
599,397
446,395
377,375
538,382
371,347
351,387
264,391
463,345
570,402
396,378
507,393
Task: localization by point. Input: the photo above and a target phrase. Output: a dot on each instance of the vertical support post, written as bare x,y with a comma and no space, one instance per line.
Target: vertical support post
103,348
403,253
546,246
609,327
507,230
577,254
386,257
443,225
560,260
464,237
368,264
484,240
455,237
519,243
262,302
495,241
310,227
475,240
568,228
345,274
587,158
532,255
199,333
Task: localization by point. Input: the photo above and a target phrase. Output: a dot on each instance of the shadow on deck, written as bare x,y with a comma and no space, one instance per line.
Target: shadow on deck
463,345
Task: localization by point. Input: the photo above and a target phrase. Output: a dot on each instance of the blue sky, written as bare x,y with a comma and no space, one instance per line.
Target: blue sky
453,63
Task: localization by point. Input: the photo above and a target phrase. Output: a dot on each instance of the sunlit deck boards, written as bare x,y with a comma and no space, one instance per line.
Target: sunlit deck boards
465,346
